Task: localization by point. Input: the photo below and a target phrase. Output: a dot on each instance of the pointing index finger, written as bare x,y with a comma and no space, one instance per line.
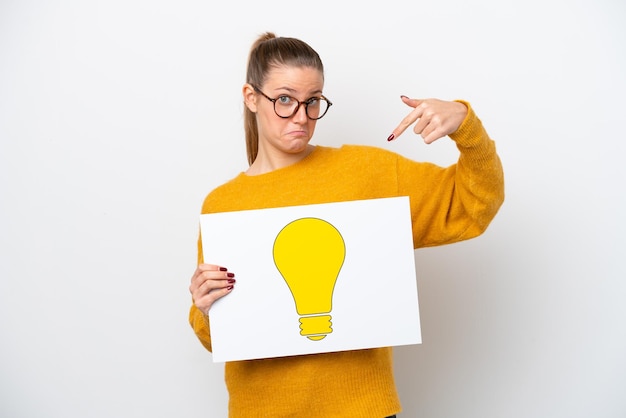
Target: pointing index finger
409,119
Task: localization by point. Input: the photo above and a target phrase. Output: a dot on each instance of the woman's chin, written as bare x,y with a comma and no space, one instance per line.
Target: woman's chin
297,147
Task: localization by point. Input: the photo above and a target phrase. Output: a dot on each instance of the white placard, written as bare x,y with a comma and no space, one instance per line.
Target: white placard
313,279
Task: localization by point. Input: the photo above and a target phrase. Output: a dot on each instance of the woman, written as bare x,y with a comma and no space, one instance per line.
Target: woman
283,97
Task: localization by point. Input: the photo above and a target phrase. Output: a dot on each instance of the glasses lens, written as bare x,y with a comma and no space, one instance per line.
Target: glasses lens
317,108
285,106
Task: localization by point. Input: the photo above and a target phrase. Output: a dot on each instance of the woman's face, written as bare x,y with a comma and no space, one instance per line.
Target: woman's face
279,136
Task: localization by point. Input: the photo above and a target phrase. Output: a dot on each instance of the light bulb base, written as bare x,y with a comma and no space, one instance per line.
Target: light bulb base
316,327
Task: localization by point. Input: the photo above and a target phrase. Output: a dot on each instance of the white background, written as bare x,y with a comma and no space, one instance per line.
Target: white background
117,117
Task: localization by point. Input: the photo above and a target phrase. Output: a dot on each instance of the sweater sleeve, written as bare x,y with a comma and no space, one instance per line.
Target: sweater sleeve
458,202
197,319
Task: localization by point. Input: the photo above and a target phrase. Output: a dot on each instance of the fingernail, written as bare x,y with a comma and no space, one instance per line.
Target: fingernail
230,274
402,96
391,137
231,280
223,269
230,287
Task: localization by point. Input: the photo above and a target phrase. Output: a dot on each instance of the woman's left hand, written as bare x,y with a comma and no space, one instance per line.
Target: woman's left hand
435,118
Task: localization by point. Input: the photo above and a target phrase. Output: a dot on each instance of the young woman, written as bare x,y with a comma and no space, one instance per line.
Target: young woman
284,99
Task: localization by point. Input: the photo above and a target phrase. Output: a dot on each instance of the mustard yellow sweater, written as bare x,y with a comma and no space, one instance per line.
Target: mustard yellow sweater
447,205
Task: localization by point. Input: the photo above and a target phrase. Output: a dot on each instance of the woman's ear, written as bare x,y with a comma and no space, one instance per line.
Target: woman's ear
249,97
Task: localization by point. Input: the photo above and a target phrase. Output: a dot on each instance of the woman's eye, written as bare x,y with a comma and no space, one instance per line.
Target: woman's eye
313,101
284,100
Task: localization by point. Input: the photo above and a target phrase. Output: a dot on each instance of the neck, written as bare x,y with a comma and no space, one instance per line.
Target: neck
265,163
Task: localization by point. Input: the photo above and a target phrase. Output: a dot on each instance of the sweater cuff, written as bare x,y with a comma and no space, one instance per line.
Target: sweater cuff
471,137
469,133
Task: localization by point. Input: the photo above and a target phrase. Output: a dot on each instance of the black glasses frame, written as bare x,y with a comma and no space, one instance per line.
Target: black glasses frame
305,103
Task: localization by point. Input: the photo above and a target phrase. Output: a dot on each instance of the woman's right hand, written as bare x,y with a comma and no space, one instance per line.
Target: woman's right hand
209,283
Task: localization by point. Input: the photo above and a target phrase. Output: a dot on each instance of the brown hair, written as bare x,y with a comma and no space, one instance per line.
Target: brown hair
266,53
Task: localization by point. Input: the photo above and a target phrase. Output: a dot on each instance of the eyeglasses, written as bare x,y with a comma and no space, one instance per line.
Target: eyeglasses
286,106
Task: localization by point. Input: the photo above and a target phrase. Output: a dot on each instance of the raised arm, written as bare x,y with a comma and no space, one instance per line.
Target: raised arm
458,202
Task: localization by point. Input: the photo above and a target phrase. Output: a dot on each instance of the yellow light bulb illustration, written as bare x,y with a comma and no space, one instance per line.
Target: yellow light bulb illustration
309,253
